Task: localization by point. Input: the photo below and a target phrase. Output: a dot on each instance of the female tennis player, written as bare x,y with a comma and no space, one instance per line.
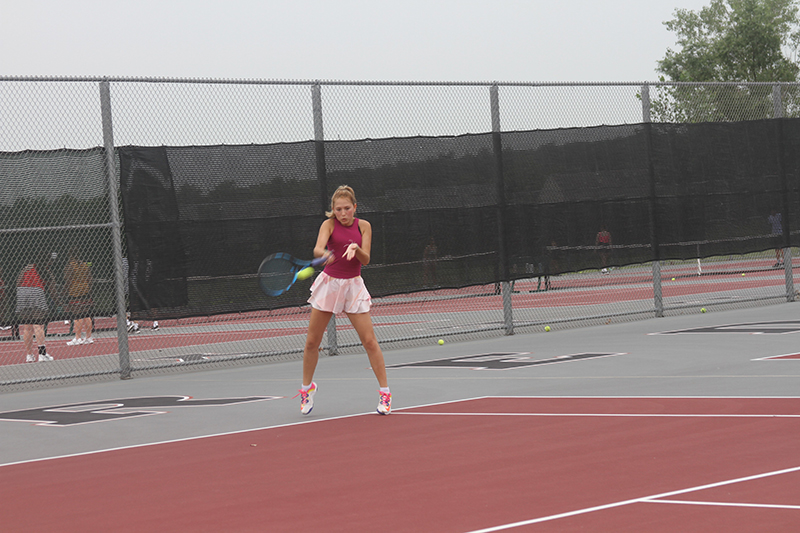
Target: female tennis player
32,310
346,242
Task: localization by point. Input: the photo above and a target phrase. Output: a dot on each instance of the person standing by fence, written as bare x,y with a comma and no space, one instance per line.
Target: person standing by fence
603,241
32,312
776,225
6,316
429,257
78,279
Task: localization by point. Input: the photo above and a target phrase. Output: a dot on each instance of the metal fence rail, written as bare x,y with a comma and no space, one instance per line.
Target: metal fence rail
69,215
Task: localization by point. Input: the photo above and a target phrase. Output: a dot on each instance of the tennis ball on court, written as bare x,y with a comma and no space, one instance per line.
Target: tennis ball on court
441,341
673,279
547,328
306,273
742,273
703,310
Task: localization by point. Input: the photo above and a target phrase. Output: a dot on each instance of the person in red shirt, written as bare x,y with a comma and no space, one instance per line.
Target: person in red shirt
346,242
32,313
603,242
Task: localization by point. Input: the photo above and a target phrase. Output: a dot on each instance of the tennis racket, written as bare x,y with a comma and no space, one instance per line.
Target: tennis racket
278,272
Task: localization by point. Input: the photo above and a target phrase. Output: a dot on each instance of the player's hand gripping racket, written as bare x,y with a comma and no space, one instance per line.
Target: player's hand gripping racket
278,272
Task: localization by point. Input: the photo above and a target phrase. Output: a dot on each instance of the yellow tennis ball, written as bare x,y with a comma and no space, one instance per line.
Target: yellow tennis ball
673,279
547,328
441,341
306,273
703,310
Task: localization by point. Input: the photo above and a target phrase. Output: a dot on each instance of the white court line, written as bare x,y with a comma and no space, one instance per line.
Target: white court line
610,415
781,357
726,504
618,398
184,439
635,500
221,434
399,410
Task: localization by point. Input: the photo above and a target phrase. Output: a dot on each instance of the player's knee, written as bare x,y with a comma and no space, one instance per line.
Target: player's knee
371,344
312,345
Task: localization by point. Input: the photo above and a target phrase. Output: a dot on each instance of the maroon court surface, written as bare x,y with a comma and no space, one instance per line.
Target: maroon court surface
487,464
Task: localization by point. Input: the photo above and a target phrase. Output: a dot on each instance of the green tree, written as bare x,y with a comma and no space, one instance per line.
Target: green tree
729,41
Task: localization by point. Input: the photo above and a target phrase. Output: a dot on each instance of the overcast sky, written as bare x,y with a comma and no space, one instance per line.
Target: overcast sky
380,40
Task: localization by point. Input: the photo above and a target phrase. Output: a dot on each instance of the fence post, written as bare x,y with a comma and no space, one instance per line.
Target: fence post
116,230
658,300
777,103
322,177
497,145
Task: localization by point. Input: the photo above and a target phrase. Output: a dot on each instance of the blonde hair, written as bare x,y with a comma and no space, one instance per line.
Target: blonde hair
344,191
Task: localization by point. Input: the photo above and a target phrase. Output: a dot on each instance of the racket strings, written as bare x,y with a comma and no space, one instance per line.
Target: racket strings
276,274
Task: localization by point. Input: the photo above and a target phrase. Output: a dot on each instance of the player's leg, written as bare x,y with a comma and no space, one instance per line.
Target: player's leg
362,323
82,328
317,324
38,331
26,332
77,328
87,326
316,329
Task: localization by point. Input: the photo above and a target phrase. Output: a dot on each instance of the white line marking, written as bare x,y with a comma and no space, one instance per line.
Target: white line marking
782,357
643,415
621,398
725,504
399,410
249,430
184,439
636,500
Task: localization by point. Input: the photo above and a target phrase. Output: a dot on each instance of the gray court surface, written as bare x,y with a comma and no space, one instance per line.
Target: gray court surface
723,356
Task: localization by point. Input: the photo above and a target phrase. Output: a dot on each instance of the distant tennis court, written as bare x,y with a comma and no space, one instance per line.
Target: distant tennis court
685,423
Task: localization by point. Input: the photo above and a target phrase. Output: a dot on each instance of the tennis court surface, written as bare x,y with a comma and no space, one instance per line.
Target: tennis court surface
685,423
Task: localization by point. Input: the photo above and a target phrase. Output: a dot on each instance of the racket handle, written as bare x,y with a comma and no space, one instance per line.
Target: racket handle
318,261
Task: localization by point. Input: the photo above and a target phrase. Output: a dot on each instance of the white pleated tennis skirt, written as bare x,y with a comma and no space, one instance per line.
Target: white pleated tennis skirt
334,295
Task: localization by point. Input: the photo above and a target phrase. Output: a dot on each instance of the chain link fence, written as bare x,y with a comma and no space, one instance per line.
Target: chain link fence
65,295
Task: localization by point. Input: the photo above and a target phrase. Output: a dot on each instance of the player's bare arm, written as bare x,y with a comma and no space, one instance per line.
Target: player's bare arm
325,230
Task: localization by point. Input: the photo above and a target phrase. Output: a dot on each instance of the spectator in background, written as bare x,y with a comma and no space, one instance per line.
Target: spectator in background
776,224
603,241
429,257
78,281
553,267
7,318
550,266
32,311
133,326
53,288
